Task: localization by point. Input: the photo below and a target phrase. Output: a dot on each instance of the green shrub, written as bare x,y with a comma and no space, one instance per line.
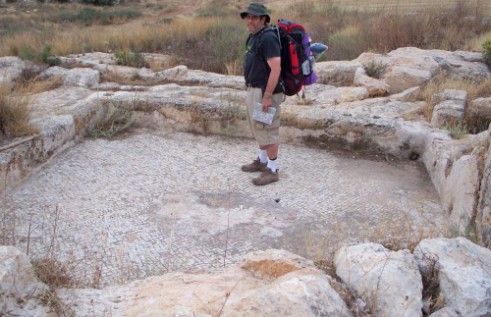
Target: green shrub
46,57
27,52
131,59
375,69
486,46
456,131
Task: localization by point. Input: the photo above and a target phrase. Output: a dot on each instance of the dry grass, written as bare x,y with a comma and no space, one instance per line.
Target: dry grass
36,86
213,40
405,6
52,273
14,114
429,93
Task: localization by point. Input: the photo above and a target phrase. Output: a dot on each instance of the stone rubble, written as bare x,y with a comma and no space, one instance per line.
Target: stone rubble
279,283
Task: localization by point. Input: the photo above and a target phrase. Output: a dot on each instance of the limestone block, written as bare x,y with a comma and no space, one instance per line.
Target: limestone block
266,283
89,59
174,73
457,65
448,113
19,287
81,77
461,65
11,68
478,112
461,190
452,94
375,87
411,138
388,280
51,72
407,95
438,158
463,276
399,78
294,294
338,73
483,218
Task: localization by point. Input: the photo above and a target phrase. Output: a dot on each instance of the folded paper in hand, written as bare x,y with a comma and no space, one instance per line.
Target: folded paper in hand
261,116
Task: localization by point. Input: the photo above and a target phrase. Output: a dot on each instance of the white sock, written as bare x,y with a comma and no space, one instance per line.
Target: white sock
272,165
263,156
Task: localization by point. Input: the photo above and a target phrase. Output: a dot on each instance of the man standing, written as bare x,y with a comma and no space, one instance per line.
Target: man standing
262,67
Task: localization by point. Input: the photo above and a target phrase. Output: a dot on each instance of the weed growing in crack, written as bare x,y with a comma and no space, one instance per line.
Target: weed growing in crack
118,116
375,69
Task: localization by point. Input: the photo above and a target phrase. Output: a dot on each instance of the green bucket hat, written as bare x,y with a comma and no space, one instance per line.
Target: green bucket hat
257,9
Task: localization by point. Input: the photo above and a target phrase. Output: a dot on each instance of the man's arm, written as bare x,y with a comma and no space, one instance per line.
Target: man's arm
275,66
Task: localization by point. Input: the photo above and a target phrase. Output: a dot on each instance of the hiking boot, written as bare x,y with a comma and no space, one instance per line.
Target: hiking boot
255,166
267,176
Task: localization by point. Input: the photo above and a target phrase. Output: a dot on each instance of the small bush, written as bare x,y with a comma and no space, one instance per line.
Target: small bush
375,69
487,52
456,131
52,273
46,57
131,59
118,117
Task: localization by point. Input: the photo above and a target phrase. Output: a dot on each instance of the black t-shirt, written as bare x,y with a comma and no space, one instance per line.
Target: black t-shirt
259,48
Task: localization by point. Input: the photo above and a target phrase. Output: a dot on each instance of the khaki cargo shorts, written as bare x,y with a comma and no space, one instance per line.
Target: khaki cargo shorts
264,134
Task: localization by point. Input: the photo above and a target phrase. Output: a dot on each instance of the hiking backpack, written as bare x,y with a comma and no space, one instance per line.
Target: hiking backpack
296,58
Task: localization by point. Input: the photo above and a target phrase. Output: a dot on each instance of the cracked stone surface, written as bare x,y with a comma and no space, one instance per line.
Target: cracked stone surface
154,200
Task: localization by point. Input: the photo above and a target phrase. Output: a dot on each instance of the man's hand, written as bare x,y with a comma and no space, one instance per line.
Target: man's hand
267,101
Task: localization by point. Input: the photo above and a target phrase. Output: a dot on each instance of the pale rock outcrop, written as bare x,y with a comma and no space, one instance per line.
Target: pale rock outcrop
455,168
11,68
402,77
462,185
445,312
124,71
279,283
266,283
338,73
448,113
409,66
375,87
88,59
479,111
407,95
483,217
51,72
463,276
457,65
333,96
403,68
18,161
81,77
175,73
452,94
388,281
19,288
